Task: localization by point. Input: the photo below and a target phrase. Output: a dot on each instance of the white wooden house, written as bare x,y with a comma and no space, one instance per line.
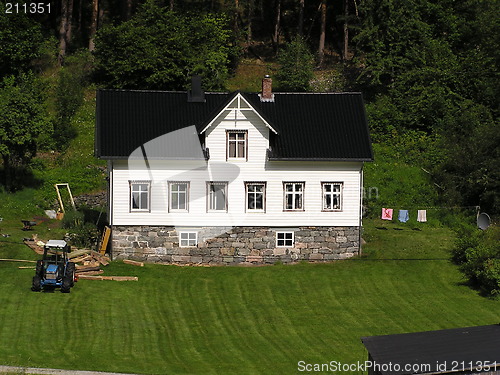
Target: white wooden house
233,178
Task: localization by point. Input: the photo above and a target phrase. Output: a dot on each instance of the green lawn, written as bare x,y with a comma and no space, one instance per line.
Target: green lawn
263,320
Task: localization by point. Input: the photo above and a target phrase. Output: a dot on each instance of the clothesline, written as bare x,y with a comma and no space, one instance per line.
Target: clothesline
404,214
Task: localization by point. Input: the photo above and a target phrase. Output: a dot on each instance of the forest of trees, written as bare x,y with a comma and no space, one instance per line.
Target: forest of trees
428,69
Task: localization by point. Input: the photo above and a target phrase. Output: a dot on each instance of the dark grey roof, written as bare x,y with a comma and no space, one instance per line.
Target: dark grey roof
450,347
309,126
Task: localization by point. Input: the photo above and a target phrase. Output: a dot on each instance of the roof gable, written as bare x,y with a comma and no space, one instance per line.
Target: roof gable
238,102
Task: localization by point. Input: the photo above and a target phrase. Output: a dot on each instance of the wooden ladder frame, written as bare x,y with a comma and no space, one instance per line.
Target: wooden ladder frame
59,196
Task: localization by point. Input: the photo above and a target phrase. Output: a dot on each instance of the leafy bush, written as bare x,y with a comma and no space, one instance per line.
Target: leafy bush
72,219
478,254
85,235
82,232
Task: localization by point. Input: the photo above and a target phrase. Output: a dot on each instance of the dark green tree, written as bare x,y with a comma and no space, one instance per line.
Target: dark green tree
22,117
296,66
20,41
470,172
161,49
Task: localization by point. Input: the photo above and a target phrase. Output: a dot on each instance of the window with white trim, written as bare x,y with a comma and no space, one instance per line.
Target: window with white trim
140,195
179,196
332,196
217,196
187,239
284,239
255,196
293,196
237,144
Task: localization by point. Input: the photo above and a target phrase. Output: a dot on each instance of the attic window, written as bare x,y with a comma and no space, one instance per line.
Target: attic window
237,144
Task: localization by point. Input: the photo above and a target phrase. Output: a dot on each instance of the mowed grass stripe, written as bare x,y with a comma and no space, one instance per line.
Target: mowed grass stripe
191,320
271,317
236,331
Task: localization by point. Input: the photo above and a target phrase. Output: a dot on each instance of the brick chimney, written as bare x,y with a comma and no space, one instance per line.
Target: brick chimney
267,90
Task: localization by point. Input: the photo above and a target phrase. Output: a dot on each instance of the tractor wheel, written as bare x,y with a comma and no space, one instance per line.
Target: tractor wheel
70,272
66,285
36,285
39,268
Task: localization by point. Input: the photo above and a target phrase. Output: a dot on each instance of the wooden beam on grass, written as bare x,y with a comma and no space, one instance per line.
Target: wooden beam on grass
133,262
17,260
108,278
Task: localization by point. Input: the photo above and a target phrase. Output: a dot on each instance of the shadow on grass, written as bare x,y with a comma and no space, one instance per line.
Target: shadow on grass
96,216
19,178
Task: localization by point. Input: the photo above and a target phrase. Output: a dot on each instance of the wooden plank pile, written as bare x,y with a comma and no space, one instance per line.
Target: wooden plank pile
88,262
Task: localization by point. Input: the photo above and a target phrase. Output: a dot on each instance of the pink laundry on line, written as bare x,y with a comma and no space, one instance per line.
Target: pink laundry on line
387,213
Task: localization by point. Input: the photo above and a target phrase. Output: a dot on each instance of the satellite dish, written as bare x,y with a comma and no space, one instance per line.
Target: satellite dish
483,221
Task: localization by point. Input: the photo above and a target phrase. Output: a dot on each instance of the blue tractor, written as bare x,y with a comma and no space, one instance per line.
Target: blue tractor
54,270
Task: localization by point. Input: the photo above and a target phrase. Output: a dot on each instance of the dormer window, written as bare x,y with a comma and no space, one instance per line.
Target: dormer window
237,144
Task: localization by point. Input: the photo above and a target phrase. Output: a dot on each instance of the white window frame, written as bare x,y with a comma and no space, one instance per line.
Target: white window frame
247,193
285,239
210,198
293,193
332,193
171,192
133,191
236,141
189,241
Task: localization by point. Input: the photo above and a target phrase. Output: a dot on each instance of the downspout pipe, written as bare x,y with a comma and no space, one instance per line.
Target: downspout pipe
360,206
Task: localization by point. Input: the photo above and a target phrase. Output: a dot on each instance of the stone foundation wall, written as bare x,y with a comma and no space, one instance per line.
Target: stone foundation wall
235,246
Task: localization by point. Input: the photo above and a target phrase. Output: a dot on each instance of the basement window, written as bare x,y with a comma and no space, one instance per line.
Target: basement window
188,239
284,239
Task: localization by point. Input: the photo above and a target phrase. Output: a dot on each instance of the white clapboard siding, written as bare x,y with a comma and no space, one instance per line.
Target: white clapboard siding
237,172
